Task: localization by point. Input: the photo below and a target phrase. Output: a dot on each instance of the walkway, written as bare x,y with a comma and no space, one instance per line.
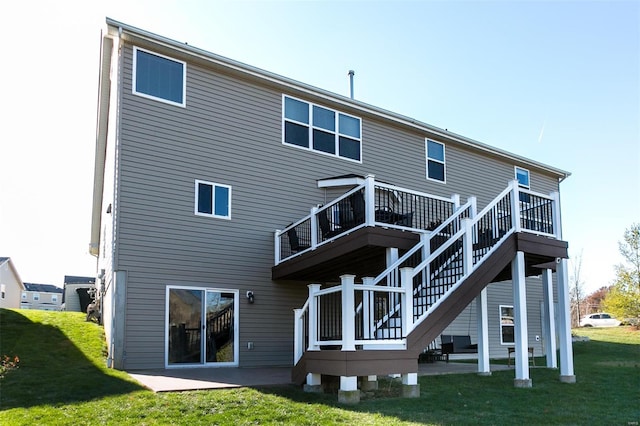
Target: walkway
182,379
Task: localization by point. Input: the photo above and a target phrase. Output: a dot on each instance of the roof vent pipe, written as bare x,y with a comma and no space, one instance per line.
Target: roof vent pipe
351,74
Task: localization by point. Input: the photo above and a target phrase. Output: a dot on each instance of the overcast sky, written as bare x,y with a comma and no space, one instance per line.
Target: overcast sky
557,82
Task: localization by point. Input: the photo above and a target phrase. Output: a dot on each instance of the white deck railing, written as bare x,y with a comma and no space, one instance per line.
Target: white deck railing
382,312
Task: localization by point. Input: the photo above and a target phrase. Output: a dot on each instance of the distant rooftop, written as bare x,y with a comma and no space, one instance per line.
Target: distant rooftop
43,288
71,279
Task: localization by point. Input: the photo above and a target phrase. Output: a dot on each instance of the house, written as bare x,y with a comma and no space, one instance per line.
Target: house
46,297
244,219
77,292
11,286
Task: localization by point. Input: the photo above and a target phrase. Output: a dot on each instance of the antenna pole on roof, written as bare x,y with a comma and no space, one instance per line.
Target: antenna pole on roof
351,74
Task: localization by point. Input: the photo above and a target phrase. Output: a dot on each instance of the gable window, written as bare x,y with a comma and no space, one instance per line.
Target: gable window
435,161
213,199
159,77
321,129
507,336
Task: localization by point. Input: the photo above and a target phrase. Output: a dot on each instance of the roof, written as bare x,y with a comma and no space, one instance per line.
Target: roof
7,260
43,288
124,30
3,259
72,279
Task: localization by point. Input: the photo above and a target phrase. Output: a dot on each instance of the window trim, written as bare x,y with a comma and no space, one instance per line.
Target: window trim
311,127
213,200
36,296
156,98
515,172
435,160
502,342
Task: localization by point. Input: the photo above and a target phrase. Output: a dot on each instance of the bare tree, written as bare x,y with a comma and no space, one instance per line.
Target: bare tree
577,291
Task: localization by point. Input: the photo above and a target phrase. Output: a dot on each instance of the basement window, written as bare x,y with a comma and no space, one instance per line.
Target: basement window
507,336
159,77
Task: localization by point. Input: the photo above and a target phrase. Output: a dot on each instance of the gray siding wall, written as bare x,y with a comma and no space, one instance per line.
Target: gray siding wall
230,133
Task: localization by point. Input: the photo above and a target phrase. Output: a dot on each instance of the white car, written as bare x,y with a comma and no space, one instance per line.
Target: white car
599,320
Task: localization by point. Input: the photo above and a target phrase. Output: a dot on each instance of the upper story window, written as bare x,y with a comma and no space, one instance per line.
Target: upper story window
436,169
213,199
159,77
522,176
321,129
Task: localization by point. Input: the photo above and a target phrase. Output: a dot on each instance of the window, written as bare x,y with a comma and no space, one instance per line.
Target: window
321,129
213,199
522,176
36,296
24,295
435,161
158,77
3,291
54,298
507,336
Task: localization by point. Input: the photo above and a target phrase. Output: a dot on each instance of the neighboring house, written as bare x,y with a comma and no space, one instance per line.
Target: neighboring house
11,286
46,297
226,196
76,296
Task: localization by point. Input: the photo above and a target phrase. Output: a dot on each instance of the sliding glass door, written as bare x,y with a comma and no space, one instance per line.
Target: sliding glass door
202,326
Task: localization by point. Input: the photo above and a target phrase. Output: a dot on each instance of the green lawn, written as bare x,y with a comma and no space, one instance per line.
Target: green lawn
62,379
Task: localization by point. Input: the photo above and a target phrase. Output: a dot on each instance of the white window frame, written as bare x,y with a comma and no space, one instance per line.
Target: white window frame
213,199
435,160
515,172
54,298
311,127
24,295
502,342
36,297
156,98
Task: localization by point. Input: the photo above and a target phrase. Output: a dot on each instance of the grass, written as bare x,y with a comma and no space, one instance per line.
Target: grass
62,379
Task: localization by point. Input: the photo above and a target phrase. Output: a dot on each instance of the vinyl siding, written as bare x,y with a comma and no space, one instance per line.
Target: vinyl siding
230,133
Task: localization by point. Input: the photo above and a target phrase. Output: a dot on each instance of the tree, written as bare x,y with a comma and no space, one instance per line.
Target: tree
577,292
593,302
623,300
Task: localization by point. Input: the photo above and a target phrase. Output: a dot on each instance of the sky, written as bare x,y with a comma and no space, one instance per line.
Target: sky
557,82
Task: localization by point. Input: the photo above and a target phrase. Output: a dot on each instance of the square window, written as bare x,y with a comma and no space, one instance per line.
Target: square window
24,295
36,296
323,141
212,199
159,77
324,118
54,298
436,167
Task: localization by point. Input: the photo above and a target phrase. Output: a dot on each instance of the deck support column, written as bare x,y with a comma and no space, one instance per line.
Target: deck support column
348,392
484,368
549,321
368,383
410,385
522,379
348,314
564,324
314,383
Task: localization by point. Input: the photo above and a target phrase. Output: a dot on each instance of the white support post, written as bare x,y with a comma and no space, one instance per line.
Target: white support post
549,321
557,216
348,314
515,206
564,324
467,246
406,300
455,199
298,335
348,383
348,392
369,200
522,379
313,317
474,207
314,227
410,386
367,309
276,246
484,368
314,383
426,251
